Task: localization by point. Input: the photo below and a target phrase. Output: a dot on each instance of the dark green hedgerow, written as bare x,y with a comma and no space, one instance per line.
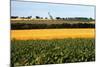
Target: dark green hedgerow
35,52
19,26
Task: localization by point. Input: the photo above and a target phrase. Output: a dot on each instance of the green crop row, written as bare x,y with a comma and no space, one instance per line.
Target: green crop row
50,26
36,52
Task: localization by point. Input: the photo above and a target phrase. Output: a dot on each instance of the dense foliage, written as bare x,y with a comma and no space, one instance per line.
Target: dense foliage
50,26
34,52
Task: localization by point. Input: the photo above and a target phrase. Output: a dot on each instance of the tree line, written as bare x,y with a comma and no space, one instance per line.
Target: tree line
57,18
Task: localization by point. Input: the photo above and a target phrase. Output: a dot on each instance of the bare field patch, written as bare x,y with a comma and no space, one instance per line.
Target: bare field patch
48,21
52,34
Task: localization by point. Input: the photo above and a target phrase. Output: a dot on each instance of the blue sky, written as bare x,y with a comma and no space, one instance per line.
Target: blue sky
19,8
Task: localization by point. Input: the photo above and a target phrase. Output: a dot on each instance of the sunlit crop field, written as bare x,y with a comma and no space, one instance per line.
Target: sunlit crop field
34,34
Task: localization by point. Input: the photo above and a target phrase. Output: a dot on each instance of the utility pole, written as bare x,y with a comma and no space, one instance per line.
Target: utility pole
50,16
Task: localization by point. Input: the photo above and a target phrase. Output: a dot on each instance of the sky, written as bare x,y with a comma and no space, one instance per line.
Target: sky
19,8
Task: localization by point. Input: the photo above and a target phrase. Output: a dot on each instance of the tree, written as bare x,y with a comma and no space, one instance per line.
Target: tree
29,17
14,17
58,18
41,17
90,19
46,18
37,17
